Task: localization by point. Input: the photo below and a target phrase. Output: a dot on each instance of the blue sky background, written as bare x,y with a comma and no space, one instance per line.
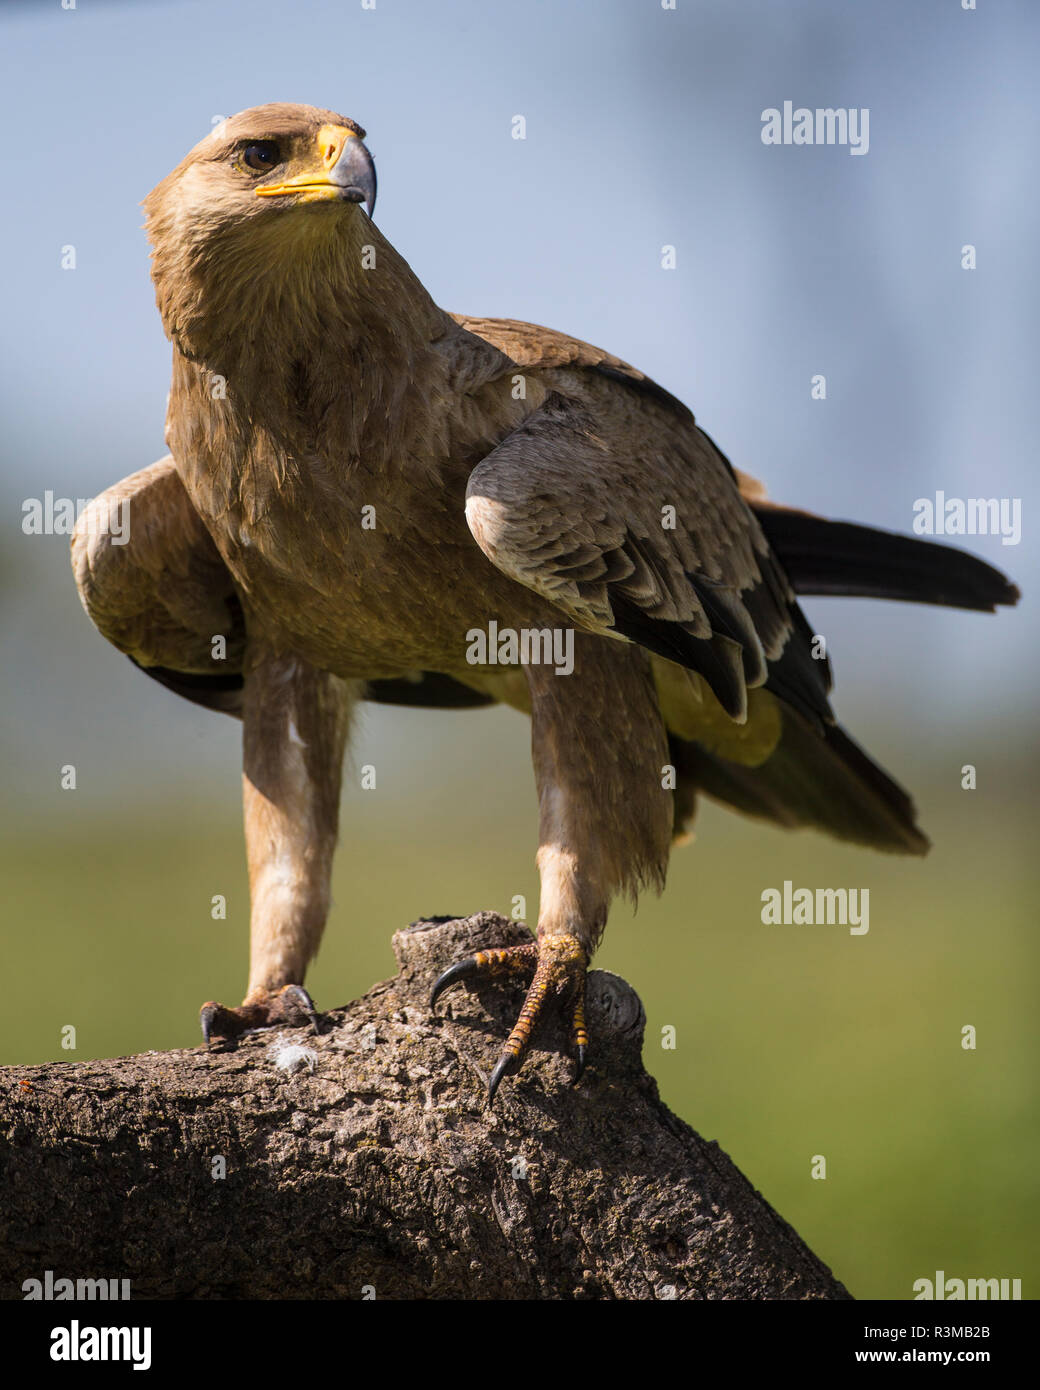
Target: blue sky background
643,128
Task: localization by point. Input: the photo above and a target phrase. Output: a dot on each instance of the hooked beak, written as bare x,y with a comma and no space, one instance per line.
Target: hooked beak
355,175
345,173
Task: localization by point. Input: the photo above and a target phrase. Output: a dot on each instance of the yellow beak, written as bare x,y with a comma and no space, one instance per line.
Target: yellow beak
344,172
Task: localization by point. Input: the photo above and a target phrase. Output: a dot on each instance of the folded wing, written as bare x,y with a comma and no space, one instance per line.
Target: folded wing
624,516
164,595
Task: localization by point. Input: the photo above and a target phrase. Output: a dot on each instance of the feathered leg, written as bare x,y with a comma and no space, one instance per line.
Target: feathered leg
599,750
296,721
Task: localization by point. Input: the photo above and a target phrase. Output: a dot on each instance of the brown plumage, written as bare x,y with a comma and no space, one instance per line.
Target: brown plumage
359,481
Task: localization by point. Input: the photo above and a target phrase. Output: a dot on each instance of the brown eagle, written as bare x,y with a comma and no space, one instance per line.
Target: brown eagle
367,497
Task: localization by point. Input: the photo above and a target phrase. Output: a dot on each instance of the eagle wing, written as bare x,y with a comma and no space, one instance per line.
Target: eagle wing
163,594
818,555
621,512
571,503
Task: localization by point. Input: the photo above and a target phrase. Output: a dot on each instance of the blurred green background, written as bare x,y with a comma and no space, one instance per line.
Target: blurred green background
643,131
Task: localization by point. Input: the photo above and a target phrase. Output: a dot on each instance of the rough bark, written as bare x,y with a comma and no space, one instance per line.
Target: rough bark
369,1162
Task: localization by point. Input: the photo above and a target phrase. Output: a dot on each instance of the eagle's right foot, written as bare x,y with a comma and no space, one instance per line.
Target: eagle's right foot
289,1007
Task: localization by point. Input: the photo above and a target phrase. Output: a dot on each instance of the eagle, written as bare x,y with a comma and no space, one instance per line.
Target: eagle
369,498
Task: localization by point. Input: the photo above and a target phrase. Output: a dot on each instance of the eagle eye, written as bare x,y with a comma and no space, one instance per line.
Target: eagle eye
261,157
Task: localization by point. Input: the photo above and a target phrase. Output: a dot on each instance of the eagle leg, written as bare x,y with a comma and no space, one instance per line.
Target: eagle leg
295,722
598,742
559,962
289,1007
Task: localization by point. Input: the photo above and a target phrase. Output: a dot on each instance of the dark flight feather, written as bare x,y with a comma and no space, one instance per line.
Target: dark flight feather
840,557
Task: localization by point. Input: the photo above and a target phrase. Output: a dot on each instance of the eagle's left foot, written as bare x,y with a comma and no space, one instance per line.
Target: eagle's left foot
289,1007
559,964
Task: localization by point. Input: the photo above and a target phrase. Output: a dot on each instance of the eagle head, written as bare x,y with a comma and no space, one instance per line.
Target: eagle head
260,206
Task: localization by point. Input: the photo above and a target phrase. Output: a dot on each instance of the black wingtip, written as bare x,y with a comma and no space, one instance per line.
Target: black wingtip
715,658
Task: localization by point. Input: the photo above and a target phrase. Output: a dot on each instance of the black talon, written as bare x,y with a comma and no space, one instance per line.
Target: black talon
306,1003
505,1066
213,1015
459,971
579,1066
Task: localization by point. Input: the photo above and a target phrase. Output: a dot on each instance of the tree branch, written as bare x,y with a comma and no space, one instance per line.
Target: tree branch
365,1163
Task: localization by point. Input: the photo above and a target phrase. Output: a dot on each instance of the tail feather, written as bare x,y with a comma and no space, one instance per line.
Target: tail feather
823,780
839,557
